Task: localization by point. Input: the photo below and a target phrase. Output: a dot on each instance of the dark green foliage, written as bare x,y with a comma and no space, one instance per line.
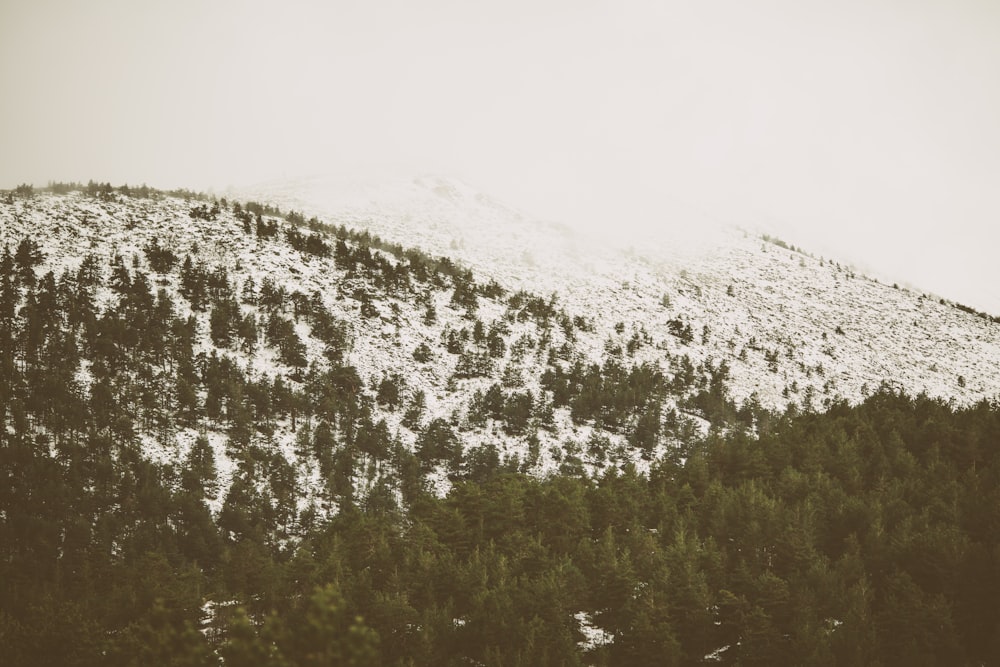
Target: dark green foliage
203,212
464,295
681,329
523,306
312,244
517,411
27,257
319,632
473,363
194,283
226,321
161,260
330,331
438,444
280,332
614,396
422,353
265,228
103,191
389,393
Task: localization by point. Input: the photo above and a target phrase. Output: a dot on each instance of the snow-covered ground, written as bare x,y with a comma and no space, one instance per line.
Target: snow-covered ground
834,332
792,328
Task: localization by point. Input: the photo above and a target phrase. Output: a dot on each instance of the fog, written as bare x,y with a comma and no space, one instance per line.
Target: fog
866,131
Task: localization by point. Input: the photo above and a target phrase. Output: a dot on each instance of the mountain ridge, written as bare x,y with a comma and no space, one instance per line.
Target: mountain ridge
666,263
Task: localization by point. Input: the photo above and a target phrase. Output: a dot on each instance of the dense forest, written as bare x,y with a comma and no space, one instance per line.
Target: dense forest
864,534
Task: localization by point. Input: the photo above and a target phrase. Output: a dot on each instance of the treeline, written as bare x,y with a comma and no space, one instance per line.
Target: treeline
106,191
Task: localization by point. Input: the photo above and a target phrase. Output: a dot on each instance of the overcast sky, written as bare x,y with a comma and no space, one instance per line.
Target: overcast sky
867,130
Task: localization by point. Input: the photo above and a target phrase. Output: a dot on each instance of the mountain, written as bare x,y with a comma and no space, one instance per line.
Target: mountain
417,403
771,324
786,322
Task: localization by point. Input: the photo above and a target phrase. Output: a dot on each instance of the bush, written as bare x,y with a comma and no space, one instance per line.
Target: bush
422,353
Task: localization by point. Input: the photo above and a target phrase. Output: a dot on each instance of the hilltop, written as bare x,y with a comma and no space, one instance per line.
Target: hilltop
792,327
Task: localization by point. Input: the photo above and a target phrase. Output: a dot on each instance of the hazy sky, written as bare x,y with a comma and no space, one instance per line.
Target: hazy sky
866,129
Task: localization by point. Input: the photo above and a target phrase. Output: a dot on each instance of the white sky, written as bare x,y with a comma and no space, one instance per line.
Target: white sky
864,129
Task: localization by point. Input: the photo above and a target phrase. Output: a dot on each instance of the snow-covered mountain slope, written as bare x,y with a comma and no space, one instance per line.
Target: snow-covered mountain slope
562,353
449,350
791,327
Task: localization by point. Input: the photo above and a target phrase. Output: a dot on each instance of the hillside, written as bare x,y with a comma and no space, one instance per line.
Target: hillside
231,428
793,328
419,332
732,322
